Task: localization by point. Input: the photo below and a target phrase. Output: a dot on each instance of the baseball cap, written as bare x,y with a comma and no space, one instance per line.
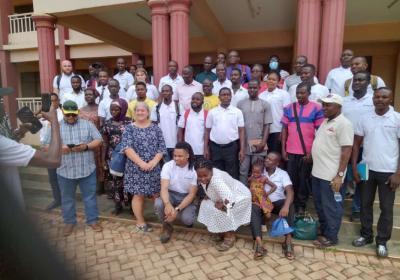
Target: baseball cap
6,91
332,98
70,107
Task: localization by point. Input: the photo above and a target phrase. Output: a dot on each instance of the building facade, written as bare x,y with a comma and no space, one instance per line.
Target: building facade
36,34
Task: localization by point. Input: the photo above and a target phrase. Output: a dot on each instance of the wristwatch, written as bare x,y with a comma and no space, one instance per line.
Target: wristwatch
177,209
340,173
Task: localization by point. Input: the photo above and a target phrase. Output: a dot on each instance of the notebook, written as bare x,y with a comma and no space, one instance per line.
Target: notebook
362,170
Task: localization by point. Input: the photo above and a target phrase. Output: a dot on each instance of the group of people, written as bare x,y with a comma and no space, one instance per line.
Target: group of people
229,146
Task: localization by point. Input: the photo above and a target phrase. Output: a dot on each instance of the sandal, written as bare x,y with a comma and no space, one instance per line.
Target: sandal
216,237
260,252
287,250
143,229
226,244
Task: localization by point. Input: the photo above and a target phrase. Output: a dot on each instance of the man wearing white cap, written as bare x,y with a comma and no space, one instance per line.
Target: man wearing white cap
331,153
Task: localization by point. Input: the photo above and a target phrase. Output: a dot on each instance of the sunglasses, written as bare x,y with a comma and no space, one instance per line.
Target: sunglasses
70,115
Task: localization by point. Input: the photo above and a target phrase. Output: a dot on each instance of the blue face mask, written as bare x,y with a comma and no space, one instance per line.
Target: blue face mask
273,65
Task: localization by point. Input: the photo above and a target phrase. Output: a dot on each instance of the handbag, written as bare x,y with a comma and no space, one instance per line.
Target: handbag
280,227
305,227
117,162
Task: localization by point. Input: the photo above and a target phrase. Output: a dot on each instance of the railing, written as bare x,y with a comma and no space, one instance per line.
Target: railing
34,103
21,23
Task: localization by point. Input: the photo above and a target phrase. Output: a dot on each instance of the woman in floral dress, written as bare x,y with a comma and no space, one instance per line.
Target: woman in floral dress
144,147
112,134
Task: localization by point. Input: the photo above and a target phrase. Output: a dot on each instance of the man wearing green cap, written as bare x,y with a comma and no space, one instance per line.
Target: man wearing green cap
79,138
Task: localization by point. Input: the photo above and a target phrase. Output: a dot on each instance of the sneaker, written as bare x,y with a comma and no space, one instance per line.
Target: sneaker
143,229
68,229
96,227
355,217
382,251
361,241
166,232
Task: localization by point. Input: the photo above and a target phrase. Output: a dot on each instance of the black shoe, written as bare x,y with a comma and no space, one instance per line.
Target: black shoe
361,241
382,251
355,217
52,206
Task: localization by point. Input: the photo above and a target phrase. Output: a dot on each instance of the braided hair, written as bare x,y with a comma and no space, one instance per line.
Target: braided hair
203,163
186,146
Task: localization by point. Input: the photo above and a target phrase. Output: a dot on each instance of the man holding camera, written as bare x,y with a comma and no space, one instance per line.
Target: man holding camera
79,138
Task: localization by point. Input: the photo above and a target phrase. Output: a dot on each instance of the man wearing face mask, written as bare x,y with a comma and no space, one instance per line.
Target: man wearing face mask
274,64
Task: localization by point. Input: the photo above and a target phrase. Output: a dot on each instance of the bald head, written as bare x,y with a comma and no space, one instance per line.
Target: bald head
66,67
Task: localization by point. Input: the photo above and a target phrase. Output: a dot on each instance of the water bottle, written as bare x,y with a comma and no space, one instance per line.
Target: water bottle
337,196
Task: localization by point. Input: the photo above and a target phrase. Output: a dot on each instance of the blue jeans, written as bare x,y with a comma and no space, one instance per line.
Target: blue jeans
329,211
55,188
87,186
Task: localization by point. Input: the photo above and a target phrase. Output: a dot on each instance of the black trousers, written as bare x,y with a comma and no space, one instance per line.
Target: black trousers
273,143
257,216
386,202
226,157
300,174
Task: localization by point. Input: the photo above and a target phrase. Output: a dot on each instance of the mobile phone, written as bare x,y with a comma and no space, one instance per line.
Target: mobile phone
25,115
71,145
46,102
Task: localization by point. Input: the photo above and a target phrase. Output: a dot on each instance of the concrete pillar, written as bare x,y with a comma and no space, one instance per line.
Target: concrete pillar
45,26
333,19
179,19
160,38
8,71
396,89
308,29
63,49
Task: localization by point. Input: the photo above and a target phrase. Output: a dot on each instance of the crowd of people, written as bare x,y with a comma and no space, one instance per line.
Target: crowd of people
229,146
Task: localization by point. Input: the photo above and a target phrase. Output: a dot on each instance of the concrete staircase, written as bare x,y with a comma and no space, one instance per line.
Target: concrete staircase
38,194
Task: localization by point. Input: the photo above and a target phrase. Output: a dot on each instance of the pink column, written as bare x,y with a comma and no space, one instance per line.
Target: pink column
8,71
160,38
308,29
333,19
179,12
63,34
45,26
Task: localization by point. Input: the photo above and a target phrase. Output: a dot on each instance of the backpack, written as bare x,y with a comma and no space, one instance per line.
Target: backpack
373,83
58,81
178,115
186,116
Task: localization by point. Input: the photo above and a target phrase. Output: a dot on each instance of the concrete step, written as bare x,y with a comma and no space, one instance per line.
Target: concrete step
39,199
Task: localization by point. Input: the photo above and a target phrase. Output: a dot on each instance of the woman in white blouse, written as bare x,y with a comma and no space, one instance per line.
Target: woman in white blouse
227,204
277,99
141,75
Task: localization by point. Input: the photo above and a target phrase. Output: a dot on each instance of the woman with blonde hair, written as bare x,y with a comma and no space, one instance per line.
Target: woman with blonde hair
141,76
144,147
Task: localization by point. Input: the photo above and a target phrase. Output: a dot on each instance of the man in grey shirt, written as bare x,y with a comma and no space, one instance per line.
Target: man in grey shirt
257,119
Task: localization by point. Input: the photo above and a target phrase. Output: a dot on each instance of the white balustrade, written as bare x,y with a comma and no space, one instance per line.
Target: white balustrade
34,103
21,23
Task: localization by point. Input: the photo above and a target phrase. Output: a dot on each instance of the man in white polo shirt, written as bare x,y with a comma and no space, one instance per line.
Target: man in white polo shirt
338,76
238,91
224,137
103,111
166,114
318,91
222,81
178,191
331,152
77,95
173,78
124,78
379,131
354,107
192,125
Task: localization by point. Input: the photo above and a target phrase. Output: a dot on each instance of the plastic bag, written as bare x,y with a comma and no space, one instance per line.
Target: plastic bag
305,228
280,227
